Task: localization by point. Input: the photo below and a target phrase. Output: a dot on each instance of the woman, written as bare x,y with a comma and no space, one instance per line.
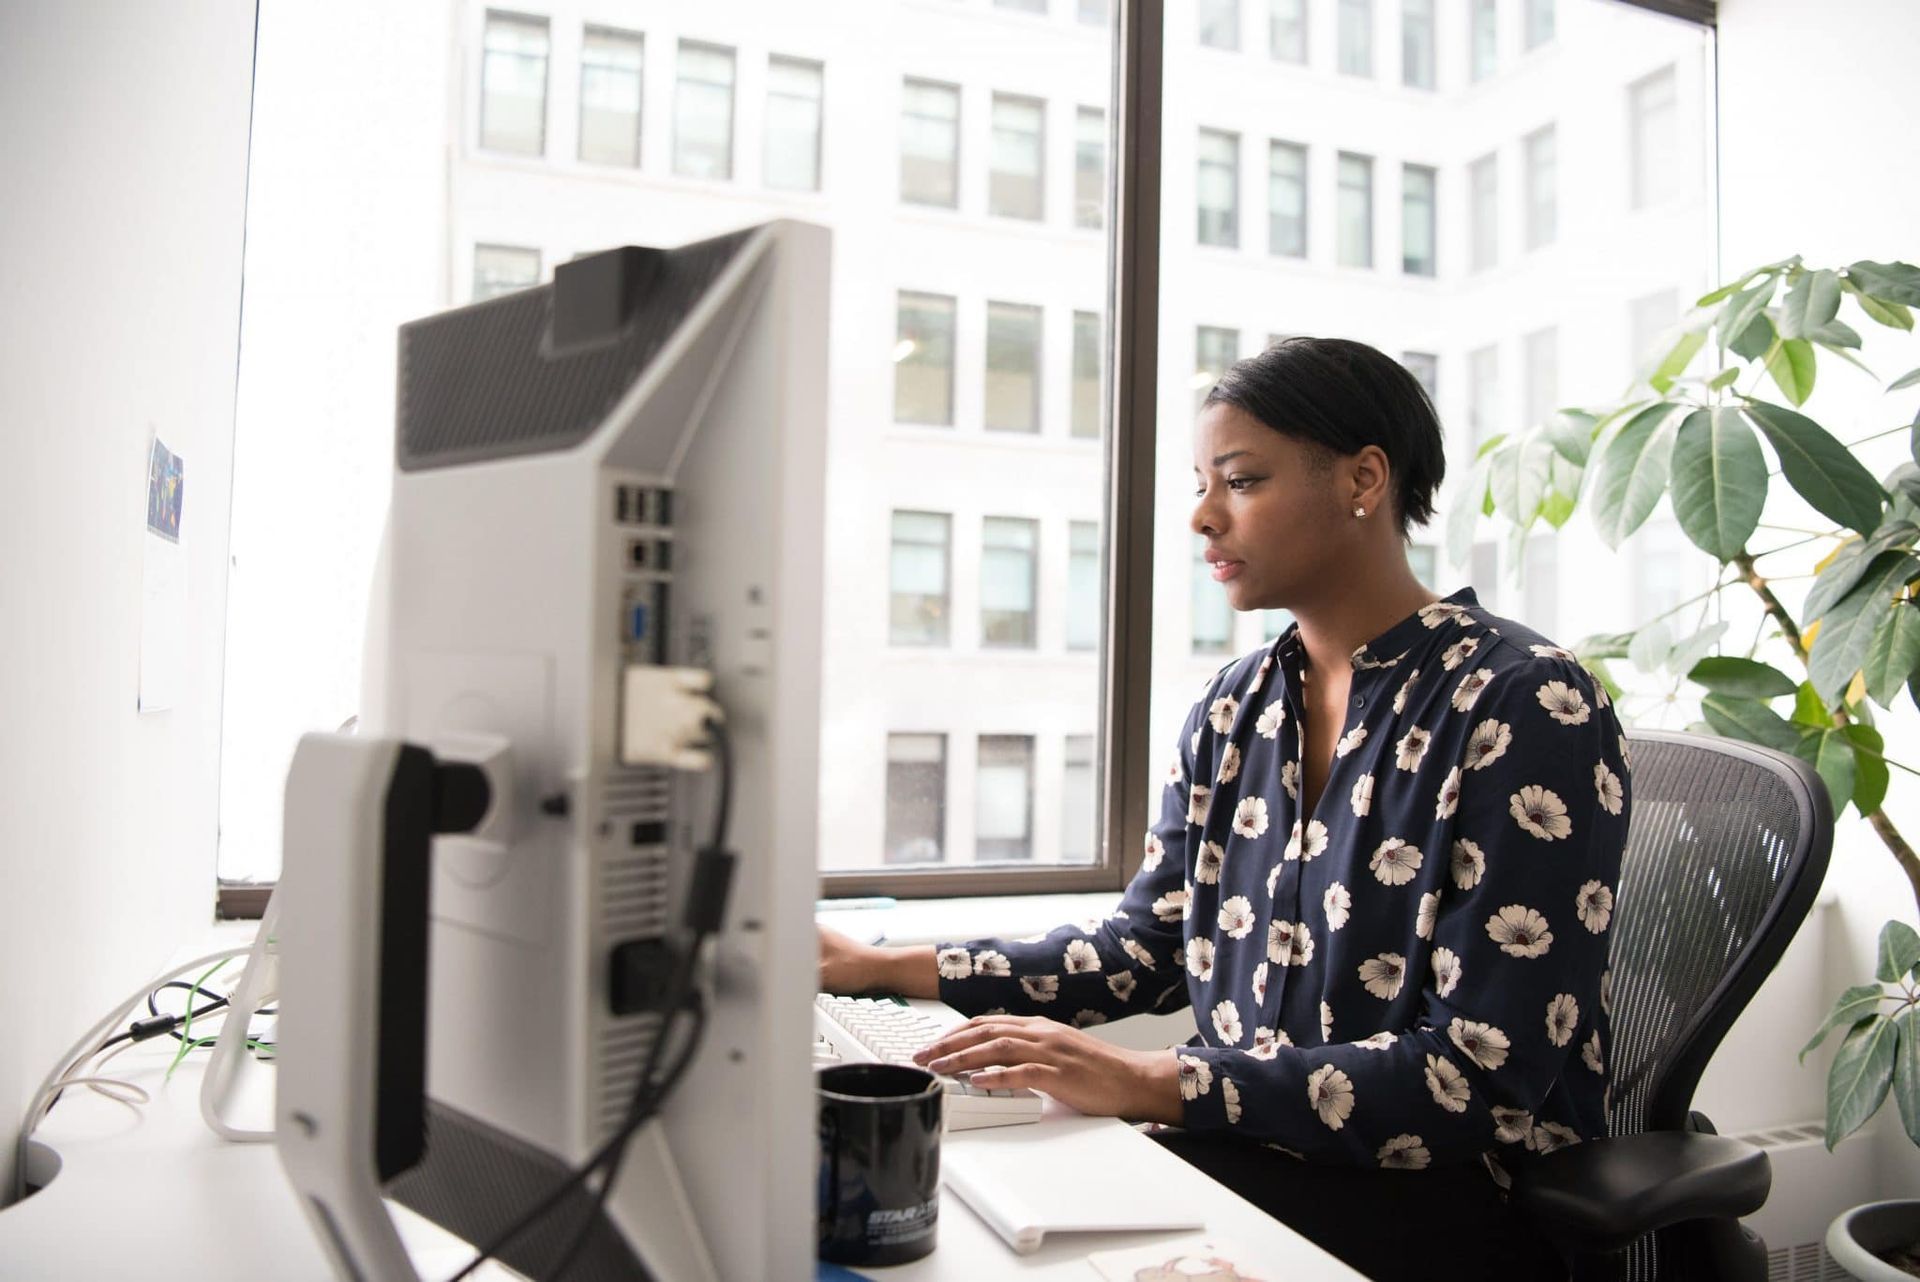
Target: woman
1382,873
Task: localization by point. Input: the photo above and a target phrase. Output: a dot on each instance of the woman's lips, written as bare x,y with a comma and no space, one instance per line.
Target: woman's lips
1224,570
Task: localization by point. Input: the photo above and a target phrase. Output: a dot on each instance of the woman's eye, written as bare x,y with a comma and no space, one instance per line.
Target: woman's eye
1238,483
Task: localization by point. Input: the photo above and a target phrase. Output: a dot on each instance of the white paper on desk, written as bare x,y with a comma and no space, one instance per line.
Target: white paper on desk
163,589
1022,1181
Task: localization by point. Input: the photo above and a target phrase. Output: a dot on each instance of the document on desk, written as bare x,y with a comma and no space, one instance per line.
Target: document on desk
1015,1182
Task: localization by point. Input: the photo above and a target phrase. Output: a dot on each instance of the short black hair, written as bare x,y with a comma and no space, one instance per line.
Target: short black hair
1344,396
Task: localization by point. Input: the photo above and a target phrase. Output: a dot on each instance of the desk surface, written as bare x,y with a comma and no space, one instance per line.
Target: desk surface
156,1195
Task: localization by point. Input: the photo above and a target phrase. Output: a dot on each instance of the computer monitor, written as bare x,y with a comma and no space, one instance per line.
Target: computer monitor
624,469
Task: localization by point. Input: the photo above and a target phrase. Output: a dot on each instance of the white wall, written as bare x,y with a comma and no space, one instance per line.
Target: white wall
124,163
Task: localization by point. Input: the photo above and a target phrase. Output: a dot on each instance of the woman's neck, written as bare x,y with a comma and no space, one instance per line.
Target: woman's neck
1364,607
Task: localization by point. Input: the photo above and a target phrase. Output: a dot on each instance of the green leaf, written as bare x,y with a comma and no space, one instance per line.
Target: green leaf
1830,753
1724,379
1862,1072
1812,301
1688,653
1894,653
1808,709
1791,362
1907,379
1854,1005
1675,363
1749,721
1517,478
1871,776
1650,647
1892,315
1820,468
1837,336
1906,1070
1719,481
1742,678
1465,516
1847,632
1853,560
1570,432
1633,472
1888,282
1896,953
1744,309
1602,645
1755,341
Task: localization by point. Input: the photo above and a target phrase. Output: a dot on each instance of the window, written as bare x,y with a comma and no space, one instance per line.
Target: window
1542,351
1666,572
1008,553
1078,822
1214,349
1483,396
1016,187
610,67
1540,584
1274,622
1483,38
792,161
1083,585
1287,30
501,269
1089,338
1417,61
1425,368
1089,167
513,85
1540,22
1219,188
1013,368
1418,256
1424,560
923,361
703,113
930,144
1212,616
918,578
1356,210
1096,13
1287,199
1220,24
1655,152
1356,37
1543,200
1648,318
1483,177
1003,816
1024,6
916,798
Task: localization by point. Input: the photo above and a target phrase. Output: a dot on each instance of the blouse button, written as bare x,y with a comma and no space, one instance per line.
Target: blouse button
1359,700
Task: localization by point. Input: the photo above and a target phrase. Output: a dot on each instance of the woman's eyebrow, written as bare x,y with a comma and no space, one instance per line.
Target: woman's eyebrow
1218,459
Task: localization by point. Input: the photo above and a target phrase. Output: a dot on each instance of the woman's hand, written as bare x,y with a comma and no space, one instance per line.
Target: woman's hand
1006,1052
849,967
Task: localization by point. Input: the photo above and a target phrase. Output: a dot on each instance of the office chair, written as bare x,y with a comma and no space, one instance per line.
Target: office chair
1727,848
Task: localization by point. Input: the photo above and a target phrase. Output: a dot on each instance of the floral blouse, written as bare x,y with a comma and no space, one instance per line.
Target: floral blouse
1416,972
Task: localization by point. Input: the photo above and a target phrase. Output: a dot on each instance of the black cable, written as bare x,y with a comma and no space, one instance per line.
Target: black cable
723,811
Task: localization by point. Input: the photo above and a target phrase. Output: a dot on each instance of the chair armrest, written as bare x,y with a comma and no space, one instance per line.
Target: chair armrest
1601,1195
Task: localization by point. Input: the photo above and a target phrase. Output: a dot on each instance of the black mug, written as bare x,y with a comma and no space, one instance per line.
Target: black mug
879,1177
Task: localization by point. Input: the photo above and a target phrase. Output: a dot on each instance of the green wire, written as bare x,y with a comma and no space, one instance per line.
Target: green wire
187,1041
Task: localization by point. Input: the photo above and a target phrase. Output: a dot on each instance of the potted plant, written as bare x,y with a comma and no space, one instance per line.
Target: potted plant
1697,429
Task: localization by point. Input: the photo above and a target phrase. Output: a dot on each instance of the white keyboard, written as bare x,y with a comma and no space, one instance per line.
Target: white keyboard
888,1030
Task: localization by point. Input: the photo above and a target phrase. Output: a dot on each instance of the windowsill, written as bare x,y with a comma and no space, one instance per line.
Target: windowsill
933,921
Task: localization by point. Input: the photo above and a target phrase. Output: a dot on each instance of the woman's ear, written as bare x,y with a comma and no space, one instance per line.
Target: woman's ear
1372,479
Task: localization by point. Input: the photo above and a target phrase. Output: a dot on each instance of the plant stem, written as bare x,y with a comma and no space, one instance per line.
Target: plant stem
1788,628
1788,547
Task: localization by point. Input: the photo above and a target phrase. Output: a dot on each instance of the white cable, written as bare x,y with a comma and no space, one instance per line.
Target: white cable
257,988
79,1053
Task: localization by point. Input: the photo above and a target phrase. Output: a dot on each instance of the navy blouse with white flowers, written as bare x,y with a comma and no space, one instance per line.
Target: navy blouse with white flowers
1415,973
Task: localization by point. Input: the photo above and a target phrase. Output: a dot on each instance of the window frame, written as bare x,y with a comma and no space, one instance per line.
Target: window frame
819,101
546,80
680,81
639,40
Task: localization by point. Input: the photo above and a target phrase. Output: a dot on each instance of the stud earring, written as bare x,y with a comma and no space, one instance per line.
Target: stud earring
1359,511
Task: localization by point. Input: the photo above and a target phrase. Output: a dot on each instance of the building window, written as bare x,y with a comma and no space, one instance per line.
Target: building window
1003,816
1483,396
501,269
1096,13
513,85
1287,199
1417,60
794,88
1542,351
1648,319
1220,24
916,798
1083,585
1483,180
1356,210
1540,584
1287,30
1009,549
930,144
1088,341
1483,39
1023,6
1077,799
610,70
1219,188
1212,616
1540,22
1425,368
1013,368
1017,183
1653,107
703,113
922,543
1089,167
923,361
1418,236
1424,560
1214,349
1356,37
1543,197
